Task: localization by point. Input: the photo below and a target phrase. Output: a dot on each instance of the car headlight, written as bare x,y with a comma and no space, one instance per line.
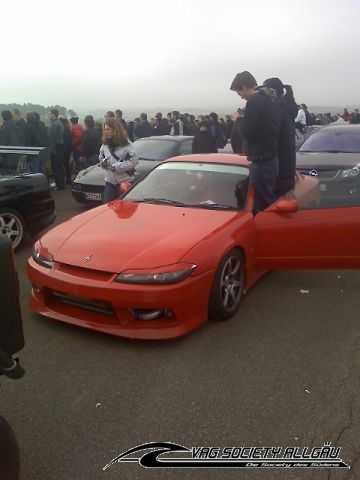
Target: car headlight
159,276
41,256
80,175
351,172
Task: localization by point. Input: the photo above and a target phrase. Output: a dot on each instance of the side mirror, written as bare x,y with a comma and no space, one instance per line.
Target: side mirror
124,187
285,205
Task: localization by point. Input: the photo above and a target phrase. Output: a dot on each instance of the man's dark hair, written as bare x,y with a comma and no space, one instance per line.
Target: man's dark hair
54,111
118,112
276,84
243,79
176,113
89,121
143,116
6,115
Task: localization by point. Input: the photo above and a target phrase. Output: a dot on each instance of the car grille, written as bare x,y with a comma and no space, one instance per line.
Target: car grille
97,306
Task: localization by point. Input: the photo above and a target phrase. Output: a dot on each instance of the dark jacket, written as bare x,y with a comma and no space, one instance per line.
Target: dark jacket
67,137
286,154
204,142
143,129
39,135
91,142
261,125
161,129
28,134
229,124
218,133
237,137
11,134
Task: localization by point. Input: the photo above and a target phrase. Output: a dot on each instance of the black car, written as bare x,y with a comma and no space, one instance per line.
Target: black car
332,154
26,204
88,186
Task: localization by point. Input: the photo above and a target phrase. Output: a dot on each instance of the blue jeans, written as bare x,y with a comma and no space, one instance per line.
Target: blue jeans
111,192
263,176
34,164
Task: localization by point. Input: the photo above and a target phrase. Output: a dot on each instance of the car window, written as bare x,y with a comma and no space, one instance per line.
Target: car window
211,186
186,147
328,140
155,149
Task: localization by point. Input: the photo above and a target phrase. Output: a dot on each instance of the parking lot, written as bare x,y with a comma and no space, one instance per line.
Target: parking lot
283,372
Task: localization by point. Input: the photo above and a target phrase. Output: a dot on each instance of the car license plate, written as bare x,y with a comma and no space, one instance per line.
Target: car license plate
93,196
323,187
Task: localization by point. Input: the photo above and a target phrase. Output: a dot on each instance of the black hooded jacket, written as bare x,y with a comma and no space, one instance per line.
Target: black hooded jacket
261,125
287,154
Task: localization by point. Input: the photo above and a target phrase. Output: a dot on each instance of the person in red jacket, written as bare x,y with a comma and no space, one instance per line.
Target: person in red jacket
77,133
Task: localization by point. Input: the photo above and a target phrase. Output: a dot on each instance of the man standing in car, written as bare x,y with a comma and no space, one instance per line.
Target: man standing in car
260,129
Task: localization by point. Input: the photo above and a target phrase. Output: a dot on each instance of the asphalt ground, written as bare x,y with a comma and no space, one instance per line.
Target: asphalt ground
283,372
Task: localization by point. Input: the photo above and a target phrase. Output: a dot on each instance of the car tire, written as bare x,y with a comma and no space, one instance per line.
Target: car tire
12,224
228,286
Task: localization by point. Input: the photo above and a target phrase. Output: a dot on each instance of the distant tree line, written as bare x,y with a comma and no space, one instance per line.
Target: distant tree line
40,109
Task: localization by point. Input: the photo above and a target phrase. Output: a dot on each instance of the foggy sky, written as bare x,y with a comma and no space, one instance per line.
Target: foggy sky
177,54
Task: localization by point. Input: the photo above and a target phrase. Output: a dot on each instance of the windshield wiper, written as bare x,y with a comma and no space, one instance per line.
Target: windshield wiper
211,205
165,201
324,151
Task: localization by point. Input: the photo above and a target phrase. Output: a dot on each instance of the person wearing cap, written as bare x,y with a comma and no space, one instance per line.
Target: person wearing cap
260,129
287,144
77,134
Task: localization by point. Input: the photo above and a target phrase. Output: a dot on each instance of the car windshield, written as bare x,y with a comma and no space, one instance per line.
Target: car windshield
189,184
157,150
332,140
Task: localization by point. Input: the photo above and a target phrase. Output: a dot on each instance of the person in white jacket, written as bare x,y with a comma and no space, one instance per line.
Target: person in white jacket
300,120
117,157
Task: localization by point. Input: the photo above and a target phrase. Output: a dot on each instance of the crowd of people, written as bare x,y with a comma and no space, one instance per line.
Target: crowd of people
74,146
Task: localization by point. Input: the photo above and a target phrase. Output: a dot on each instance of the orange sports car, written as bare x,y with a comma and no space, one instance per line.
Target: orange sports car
182,246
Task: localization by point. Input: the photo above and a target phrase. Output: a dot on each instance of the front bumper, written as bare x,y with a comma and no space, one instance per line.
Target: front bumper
87,194
94,300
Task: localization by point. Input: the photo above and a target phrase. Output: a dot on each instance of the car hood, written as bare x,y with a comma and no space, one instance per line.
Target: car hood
95,175
122,235
326,161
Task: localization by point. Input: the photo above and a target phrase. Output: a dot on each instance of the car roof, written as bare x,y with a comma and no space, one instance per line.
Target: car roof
341,126
175,138
225,158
